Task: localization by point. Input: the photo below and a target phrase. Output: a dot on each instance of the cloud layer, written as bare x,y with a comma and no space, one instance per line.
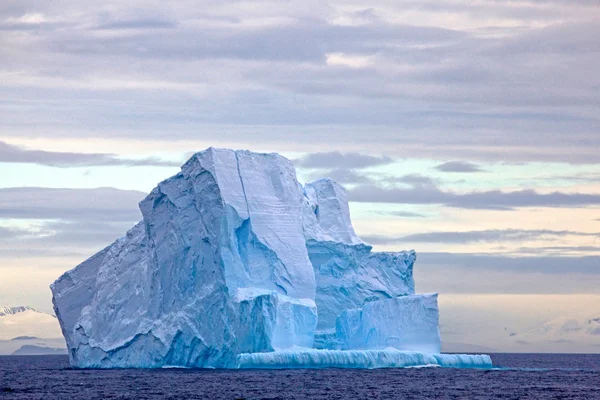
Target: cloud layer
338,160
15,154
84,205
479,81
458,166
488,236
490,200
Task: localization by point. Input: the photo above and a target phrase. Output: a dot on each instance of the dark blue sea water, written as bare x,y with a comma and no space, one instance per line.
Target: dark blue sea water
521,376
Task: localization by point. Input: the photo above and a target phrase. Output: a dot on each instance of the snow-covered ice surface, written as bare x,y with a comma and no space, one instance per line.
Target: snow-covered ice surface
236,263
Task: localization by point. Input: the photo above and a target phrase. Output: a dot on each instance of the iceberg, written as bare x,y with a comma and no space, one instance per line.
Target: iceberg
237,265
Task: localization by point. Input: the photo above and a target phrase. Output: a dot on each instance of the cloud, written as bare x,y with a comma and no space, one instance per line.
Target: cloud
448,278
414,180
558,249
487,236
65,222
312,38
343,176
10,232
489,200
61,239
458,166
515,265
405,214
15,154
101,204
81,233
344,168
29,22
338,161
149,23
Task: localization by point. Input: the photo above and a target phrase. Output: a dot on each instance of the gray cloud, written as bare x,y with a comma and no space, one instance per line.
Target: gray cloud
101,204
6,232
515,265
343,176
490,200
70,222
78,233
302,39
15,154
458,166
468,274
451,279
405,214
559,249
339,161
60,239
149,23
415,180
492,235
345,168
27,27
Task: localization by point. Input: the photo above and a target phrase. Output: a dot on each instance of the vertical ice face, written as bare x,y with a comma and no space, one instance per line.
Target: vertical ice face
404,323
262,240
271,321
327,215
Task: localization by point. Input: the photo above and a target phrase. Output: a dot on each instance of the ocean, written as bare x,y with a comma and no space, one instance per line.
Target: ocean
516,376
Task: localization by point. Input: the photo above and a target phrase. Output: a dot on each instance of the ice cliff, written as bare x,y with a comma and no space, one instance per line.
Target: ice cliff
236,264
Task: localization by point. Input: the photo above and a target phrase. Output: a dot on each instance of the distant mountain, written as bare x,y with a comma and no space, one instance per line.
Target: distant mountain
25,338
33,350
572,333
24,326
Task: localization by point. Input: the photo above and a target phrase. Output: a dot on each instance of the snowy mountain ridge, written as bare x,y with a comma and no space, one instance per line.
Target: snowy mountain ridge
14,310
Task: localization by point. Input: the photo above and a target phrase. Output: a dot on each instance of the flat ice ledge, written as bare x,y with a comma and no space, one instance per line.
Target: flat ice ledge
386,358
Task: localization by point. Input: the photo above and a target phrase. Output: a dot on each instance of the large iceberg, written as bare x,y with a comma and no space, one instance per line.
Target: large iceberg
237,265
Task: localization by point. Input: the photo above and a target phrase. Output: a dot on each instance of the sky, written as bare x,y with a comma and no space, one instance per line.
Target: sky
466,130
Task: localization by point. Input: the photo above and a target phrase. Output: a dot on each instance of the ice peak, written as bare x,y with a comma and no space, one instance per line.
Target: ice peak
330,216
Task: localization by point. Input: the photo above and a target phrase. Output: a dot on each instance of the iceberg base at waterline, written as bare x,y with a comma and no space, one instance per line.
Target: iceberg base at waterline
368,359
